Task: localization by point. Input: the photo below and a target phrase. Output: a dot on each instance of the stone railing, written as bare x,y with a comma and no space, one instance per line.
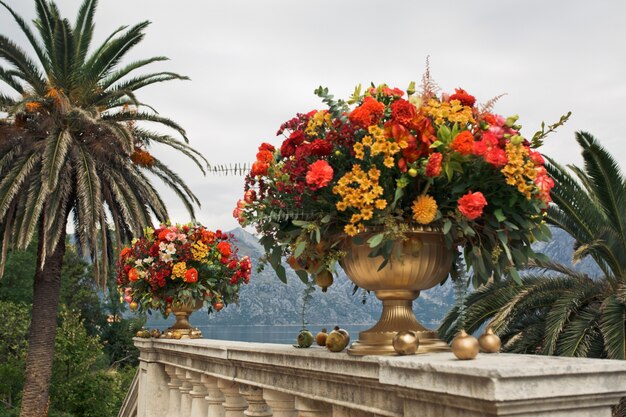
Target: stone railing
200,378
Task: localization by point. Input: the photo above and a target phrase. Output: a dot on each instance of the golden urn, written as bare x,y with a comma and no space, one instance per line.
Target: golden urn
182,311
418,263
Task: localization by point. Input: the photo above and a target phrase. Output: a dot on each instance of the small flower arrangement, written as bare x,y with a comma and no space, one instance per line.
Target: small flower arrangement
389,160
184,264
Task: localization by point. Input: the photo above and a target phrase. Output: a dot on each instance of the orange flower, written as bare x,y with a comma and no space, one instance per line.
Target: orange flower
124,252
471,205
319,175
368,113
424,209
32,106
433,166
191,275
224,248
133,275
463,143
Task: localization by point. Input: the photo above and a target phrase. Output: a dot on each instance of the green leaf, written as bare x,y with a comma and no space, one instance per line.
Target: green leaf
515,275
447,225
318,235
300,223
499,215
281,273
326,219
375,240
304,277
275,257
299,249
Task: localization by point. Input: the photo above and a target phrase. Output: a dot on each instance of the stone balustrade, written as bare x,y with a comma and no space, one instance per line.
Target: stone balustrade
212,378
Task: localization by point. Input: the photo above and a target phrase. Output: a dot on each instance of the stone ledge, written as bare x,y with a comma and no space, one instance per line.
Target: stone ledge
491,385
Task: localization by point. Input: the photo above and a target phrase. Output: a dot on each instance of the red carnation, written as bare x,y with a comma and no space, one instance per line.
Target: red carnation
297,137
368,113
463,97
191,275
133,275
433,166
266,147
258,168
264,156
403,112
224,249
471,205
463,143
288,148
321,147
303,151
319,175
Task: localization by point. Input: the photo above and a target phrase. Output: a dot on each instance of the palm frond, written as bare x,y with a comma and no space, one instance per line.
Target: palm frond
113,50
612,326
146,137
45,23
121,73
38,48
83,29
575,294
11,184
576,338
62,58
607,182
18,58
127,116
54,155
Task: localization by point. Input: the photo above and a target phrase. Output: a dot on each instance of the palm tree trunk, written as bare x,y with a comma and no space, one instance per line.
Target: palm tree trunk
43,326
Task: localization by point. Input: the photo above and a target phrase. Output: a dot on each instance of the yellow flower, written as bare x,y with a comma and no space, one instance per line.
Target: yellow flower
179,269
341,205
367,213
367,141
424,209
350,230
199,251
381,204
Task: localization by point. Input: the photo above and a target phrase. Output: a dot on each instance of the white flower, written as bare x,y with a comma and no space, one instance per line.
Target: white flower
170,249
138,262
148,260
165,257
162,246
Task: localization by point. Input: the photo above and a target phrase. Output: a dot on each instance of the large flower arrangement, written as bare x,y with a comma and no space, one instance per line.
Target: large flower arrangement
181,264
390,160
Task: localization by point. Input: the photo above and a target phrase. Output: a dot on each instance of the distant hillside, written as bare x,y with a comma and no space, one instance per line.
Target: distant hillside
266,300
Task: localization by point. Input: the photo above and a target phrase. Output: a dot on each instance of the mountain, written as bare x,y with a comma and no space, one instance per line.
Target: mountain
266,300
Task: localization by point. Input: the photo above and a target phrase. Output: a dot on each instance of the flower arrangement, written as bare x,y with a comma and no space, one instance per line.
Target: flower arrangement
389,160
181,264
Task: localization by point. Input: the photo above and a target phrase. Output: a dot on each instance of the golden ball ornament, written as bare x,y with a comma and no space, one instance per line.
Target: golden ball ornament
489,341
465,346
406,342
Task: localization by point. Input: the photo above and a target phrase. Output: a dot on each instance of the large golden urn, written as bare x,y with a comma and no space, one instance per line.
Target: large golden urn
182,310
418,263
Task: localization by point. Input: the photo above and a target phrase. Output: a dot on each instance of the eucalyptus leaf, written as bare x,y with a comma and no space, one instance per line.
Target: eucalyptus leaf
375,240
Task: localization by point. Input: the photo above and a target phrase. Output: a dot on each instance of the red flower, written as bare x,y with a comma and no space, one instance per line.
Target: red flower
321,147
133,275
393,92
191,275
368,113
536,157
489,148
433,166
297,137
319,175
258,168
288,148
403,112
224,249
471,205
266,147
125,252
264,156
303,151
249,196
463,143
463,97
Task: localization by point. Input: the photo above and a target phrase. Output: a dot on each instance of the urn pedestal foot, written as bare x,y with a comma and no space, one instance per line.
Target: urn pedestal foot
397,316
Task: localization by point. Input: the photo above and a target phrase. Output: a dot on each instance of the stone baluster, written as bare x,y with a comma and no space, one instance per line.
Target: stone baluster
185,388
256,404
174,384
234,404
311,408
283,405
339,411
197,394
214,397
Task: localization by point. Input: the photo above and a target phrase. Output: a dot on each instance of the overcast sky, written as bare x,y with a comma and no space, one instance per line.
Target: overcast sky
254,64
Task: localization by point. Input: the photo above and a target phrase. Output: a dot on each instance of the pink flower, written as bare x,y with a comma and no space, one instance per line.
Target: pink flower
320,173
171,236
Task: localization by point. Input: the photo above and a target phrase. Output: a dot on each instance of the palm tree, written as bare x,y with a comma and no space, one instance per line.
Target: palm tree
557,310
75,146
